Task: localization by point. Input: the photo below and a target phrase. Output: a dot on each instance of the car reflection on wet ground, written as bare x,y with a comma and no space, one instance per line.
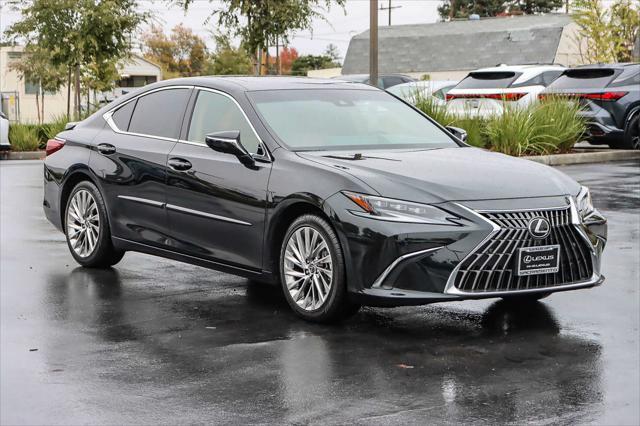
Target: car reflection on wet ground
155,341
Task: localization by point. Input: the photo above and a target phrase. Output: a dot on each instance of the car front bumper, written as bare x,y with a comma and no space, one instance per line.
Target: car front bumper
393,264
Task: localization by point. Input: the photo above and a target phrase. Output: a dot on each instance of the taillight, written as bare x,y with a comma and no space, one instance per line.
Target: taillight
496,96
53,145
600,96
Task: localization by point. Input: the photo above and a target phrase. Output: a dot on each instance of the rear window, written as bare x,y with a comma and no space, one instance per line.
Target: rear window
593,78
488,80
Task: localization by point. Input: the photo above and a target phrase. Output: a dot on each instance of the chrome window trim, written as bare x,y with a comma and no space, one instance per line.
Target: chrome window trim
379,282
596,278
107,116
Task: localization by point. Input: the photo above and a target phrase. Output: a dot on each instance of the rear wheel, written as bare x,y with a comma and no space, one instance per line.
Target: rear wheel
631,139
312,271
87,228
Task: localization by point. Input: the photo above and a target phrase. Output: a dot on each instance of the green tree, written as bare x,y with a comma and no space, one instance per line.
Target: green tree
261,23
464,8
35,66
333,52
182,54
302,64
78,33
229,60
606,35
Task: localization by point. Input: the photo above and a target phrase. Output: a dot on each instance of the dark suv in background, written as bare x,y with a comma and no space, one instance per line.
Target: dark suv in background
610,97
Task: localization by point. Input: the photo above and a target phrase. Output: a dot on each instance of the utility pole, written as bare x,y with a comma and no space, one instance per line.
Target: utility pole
389,8
373,42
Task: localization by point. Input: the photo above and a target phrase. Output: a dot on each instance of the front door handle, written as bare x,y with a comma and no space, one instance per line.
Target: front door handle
106,148
179,164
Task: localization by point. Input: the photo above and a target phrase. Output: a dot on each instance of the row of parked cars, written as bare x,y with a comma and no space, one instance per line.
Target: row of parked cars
609,94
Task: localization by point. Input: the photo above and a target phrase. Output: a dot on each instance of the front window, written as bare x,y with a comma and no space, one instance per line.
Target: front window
328,119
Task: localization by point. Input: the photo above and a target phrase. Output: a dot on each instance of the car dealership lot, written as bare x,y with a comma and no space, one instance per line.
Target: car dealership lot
156,341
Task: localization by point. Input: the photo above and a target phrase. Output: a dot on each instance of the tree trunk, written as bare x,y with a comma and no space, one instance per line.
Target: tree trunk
42,105
38,105
69,94
278,56
77,94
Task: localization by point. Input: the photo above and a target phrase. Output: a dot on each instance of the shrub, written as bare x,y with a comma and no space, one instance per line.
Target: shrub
50,130
550,126
559,123
24,137
474,126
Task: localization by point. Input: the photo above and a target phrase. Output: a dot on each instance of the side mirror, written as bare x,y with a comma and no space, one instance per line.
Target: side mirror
229,143
458,133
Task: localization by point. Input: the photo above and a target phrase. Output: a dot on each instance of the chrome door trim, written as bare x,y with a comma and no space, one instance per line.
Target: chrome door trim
142,201
204,214
378,283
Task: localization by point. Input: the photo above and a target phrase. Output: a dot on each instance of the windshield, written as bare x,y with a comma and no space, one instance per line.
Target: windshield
329,119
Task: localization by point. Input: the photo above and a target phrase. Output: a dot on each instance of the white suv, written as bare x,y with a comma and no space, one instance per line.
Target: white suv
490,91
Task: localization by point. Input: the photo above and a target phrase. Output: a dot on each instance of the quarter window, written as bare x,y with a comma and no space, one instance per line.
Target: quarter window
160,113
217,113
122,116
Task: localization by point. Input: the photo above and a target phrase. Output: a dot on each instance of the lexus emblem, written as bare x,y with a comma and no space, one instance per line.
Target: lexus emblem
539,227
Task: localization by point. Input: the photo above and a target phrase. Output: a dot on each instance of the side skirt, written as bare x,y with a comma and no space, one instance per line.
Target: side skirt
128,245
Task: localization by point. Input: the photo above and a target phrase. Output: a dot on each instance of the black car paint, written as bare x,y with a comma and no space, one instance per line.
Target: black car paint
266,197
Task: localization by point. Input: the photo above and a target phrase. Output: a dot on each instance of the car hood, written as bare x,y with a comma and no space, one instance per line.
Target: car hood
448,174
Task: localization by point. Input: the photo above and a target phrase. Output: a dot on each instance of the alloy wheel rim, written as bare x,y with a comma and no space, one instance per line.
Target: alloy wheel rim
308,268
83,223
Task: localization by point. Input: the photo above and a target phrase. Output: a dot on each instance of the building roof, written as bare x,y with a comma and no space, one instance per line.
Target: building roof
459,45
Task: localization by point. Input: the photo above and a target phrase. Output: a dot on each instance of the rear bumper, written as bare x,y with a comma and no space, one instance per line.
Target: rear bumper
420,264
599,133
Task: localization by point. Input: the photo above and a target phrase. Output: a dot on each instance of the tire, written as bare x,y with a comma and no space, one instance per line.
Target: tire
526,298
304,275
87,229
631,138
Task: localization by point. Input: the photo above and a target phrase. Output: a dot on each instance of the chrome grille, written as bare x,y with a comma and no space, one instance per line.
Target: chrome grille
491,267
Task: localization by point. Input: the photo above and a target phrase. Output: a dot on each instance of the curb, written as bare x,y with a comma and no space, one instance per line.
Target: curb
24,155
585,157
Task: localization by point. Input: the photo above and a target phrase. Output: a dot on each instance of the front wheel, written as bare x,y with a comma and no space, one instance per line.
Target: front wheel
87,228
312,271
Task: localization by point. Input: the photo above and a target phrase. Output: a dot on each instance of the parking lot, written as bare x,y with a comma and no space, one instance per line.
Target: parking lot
156,341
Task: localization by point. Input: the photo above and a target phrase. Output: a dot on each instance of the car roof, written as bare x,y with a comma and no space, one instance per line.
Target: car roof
618,65
249,83
427,84
523,68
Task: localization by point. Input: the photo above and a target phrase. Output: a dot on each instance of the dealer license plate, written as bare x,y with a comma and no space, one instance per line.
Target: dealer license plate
538,260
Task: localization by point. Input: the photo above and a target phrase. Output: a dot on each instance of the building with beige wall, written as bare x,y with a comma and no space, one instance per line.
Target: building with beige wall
18,95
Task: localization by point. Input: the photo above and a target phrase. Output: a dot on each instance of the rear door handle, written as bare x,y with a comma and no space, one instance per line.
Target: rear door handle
179,164
106,148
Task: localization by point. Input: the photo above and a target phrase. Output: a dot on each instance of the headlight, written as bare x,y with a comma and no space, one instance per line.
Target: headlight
399,211
584,203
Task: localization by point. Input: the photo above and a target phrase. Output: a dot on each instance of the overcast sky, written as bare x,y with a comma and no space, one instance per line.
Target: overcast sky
338,29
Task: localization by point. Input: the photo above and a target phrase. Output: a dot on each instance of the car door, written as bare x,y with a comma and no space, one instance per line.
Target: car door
130,160
216,205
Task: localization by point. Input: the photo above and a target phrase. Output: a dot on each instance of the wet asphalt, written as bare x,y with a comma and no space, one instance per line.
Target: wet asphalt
155,341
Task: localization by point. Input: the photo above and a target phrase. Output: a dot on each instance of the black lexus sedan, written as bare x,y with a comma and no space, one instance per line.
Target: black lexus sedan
340,192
